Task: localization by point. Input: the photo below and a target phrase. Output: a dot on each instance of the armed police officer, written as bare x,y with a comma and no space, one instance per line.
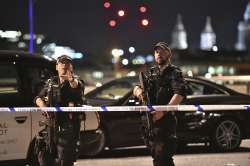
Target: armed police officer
64,90
165,86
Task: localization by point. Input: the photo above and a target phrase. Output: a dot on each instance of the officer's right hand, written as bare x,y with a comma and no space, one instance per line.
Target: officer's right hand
45,114
137,92
40,103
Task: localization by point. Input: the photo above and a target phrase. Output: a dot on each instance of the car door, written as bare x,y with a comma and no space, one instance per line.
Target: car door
15,127
15,135
133,122
198,93
114,93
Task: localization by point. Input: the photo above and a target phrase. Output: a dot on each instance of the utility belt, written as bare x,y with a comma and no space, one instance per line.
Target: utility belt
69,117
68,126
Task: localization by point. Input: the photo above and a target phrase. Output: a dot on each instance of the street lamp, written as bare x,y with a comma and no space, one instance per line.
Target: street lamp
117,53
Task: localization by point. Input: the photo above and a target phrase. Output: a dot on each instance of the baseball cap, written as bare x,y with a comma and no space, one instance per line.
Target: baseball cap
63,59
162,45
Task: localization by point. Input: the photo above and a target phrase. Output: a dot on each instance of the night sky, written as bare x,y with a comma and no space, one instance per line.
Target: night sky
82,24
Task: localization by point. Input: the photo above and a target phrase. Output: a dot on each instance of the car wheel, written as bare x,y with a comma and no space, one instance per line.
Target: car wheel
93,142
227,135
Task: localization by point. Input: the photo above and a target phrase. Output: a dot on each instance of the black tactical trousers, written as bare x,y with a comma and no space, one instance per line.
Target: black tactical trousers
65,148
164,142
66,145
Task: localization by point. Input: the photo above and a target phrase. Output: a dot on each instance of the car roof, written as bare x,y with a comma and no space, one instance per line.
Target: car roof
10,55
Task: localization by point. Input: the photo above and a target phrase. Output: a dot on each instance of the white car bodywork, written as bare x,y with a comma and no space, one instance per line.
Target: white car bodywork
17,129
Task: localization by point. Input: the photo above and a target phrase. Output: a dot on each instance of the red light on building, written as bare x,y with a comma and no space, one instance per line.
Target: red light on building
107,5
121,13
142,9
145,22
112,23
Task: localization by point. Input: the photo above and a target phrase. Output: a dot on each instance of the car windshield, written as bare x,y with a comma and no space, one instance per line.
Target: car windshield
114,90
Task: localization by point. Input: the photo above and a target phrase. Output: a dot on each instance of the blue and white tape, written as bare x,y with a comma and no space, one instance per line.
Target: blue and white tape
183,108
199,108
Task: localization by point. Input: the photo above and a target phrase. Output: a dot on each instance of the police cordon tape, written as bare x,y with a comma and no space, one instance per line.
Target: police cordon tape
184,108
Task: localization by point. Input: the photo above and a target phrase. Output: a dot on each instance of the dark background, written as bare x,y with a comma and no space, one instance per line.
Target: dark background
82,24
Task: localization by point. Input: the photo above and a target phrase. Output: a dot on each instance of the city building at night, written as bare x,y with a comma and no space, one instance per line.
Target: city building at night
208,36
17,40
243,39
179,35
241,44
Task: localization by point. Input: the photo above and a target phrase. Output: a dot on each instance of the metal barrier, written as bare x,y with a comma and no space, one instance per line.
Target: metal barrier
185,108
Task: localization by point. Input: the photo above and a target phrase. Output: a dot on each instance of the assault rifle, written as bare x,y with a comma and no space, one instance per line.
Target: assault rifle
54,97
146,116
48,136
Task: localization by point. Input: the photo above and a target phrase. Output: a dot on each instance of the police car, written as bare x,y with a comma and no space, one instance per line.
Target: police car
22,75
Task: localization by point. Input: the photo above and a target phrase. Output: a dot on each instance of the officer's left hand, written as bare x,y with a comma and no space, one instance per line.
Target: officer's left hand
157,115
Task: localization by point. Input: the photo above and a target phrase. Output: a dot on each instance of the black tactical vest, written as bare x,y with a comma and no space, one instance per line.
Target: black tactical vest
164,84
